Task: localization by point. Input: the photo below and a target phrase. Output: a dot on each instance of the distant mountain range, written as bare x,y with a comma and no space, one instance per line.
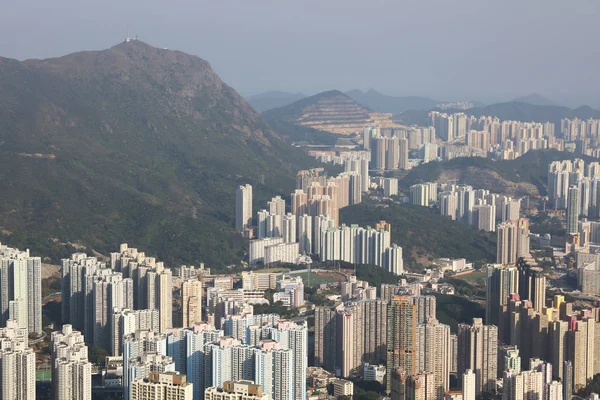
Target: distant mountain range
514,110
389,104
132,143
519,111
536,99
273,99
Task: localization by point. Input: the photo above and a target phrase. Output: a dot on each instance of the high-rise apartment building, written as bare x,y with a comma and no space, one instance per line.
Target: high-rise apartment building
74,287
187,348
449,204
160,295
20,289
390,187
524,385
502,281
478,351
325,337
17,361
468,385
289,228
392,155
433,353
419,194
532,286
403,154
126,322
191,299
144,352
243,207
421,386
276,206
299,202
507,243
294,337
71,370
573,211
401,337
484,217
108,295
350,339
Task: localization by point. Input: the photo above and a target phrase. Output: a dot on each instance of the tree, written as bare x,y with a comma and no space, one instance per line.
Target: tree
592,387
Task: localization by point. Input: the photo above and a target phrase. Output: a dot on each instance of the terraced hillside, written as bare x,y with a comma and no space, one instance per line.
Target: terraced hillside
331,111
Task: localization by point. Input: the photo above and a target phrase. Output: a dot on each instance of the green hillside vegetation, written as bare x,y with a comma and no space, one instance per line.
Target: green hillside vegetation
132,144
424,235
454,310
530,168
375,275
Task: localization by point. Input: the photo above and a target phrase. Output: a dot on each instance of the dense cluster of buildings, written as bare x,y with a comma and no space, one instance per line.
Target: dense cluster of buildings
214,346
311,227
476,207
508,139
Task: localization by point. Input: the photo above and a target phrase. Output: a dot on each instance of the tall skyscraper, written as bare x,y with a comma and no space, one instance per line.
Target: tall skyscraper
433,353
289,228
299,202
305,234
478,351
294,337
17,361
392,154
532,286
108,296
160,295
567,380
522,237
71,370
325,337
403,154
401,340
191,298
243,207
507,243
73,287
502,281
350,339
573,211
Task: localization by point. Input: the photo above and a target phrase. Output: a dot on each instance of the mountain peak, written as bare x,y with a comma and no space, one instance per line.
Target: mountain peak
133,139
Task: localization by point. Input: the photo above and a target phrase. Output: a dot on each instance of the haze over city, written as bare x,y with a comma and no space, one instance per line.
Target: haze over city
449,50
276,200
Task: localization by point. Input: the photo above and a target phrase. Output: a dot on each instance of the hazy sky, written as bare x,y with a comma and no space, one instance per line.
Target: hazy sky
448,49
